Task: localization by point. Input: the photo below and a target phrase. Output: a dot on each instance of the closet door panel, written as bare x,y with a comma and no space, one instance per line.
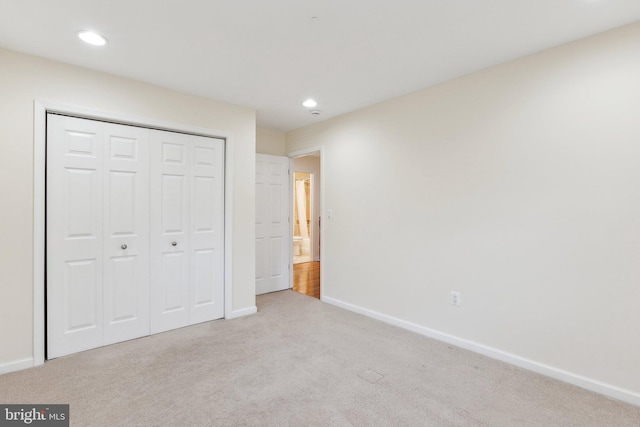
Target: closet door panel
169,221
126,242
207,231
74,235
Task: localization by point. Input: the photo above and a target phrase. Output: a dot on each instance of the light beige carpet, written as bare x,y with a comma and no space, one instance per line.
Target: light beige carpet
300,362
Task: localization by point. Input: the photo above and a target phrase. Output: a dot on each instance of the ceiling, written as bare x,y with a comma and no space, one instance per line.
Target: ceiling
271,55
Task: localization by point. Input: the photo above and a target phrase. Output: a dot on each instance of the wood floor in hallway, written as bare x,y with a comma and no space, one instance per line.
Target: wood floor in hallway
306,278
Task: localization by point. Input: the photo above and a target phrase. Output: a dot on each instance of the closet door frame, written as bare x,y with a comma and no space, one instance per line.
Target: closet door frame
41,108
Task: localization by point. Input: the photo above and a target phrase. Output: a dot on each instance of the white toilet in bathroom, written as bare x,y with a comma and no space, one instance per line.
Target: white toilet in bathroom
297,242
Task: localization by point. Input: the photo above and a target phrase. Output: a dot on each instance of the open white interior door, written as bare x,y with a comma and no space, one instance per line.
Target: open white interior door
273,234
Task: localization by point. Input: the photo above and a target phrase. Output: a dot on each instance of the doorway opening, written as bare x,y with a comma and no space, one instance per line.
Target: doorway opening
302,216
305,224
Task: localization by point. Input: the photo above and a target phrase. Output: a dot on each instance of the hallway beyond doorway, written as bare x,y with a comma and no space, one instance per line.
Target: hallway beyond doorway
306,278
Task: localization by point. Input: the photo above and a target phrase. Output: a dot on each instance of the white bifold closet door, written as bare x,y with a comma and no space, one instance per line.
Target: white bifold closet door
134,232
187,243
97,234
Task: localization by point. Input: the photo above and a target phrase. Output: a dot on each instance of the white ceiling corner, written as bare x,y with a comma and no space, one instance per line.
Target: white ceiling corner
271,55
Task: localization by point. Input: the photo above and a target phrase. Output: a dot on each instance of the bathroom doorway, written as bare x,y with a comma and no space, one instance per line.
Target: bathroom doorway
302,216
305,224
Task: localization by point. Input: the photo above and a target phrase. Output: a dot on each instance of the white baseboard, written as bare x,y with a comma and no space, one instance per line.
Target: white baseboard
243,312
17,365
494,353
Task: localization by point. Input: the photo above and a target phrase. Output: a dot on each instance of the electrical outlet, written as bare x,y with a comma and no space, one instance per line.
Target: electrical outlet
455,298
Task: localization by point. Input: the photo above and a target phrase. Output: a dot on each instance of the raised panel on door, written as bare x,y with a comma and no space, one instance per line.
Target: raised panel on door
81,298
172,284
74,235
272,223
126,223
262,254
260,222
206,291
169,228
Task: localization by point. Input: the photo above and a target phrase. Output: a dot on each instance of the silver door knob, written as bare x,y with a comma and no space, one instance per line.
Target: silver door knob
174,243
124,246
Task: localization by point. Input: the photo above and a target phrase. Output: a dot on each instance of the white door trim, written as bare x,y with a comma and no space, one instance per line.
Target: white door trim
323,245
41,108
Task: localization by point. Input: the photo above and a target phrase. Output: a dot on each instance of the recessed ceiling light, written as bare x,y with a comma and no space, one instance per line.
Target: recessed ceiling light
92,38
310,103
315,112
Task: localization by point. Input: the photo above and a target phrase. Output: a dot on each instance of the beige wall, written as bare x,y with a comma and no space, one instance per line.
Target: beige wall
25,78
517,186
270,141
